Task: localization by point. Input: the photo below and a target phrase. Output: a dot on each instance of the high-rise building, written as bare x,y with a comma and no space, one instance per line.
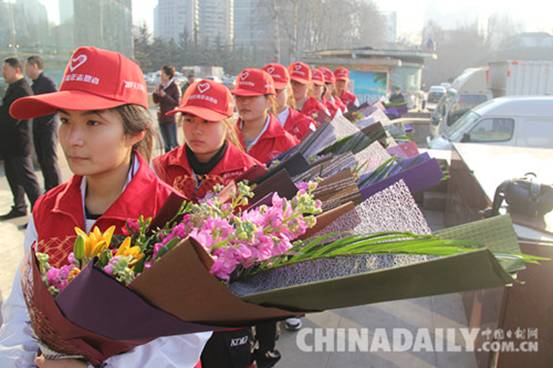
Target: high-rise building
390,24
110,27
254,30
174,18
216,22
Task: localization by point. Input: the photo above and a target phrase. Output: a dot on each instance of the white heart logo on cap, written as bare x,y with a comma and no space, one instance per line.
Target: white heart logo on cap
202,87
77,62
271,70
298,67
244,76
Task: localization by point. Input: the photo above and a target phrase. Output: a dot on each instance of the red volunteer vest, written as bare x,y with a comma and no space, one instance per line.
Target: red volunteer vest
58,211
174,169
272,142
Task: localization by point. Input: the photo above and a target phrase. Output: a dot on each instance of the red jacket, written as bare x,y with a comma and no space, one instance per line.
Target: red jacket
298,124
58,211
349,99
316,110
331,106
174,169
274,141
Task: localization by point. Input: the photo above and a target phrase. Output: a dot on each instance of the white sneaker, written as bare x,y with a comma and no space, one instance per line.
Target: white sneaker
293,324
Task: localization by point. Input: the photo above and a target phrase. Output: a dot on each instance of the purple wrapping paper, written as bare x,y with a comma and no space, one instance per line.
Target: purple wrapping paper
100,304
418,177
404,150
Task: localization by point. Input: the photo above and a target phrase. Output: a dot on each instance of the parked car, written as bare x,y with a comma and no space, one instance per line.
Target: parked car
435,93
511,121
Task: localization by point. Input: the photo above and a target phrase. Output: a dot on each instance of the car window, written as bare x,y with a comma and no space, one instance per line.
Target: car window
493,130
535,132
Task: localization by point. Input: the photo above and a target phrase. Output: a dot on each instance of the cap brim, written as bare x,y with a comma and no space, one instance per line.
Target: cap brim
246,92
201,112
280,85
342,78
49,103
300,80
318,83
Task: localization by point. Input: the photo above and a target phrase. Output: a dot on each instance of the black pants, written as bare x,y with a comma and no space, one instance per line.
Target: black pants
266,334
22,179
46,141
228,349
169,135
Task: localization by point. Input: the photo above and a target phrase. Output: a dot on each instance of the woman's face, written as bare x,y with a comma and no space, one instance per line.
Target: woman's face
94,142
299,90
318,91
252,108
164,77
202,136
281,98
341,86
329,89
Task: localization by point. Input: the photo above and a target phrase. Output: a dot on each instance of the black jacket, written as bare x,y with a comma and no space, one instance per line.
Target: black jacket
15,137
167,103
42,85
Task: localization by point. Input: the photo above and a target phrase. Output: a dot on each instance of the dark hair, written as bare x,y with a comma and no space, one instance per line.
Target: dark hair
13,62
169,70
137,119
36,60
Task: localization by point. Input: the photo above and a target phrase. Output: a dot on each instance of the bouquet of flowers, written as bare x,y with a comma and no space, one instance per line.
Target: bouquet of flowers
225,263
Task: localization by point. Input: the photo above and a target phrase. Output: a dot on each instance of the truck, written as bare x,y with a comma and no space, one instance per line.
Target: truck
521,78
498,79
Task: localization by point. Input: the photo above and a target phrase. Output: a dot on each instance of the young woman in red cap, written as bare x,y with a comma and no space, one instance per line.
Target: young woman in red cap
211,153
209,156
342,83
301,76
106,135
333,103
295,123
259,131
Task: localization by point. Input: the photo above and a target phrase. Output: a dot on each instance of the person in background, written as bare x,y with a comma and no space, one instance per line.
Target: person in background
300,74
45,128
15,142
396,97
342,85
167,96
293,122
333,103
259,131
188,83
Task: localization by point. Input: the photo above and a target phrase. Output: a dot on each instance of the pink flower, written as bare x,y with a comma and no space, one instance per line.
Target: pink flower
53,276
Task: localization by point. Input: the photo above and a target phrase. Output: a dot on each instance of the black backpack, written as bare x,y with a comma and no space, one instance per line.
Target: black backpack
524,196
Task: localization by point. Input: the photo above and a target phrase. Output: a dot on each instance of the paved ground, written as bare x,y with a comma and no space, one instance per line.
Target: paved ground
432,312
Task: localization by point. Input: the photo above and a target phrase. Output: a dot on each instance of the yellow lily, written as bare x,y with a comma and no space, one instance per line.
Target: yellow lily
125,249
95,242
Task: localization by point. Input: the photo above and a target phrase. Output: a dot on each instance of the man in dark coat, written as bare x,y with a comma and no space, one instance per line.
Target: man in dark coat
45,132
15,142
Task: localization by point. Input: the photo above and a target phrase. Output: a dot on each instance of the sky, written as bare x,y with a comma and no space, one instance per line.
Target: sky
534,14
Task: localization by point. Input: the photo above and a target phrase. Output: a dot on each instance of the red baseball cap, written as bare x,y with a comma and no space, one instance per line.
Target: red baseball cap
279,73
206,99
254,82
341,73
317,77
300,72
329,76
94,79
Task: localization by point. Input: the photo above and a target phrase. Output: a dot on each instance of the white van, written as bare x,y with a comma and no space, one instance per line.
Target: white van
510,121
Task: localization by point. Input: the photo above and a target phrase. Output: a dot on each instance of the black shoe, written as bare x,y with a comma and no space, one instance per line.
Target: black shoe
13,214
22,227
267,359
